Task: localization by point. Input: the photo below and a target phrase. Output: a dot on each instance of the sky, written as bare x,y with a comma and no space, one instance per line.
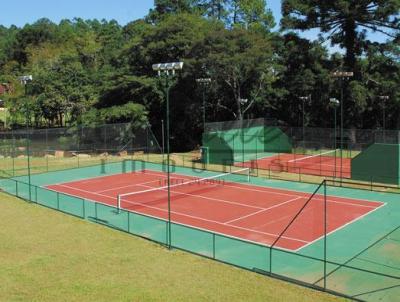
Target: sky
27,11
20,12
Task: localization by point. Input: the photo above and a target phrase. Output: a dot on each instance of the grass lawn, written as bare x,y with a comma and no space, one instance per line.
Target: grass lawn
49,256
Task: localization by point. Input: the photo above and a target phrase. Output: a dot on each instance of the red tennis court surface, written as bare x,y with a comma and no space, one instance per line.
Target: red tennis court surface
243,211
304,164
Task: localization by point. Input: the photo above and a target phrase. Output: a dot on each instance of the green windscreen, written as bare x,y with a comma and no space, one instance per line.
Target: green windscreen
245,144
378,163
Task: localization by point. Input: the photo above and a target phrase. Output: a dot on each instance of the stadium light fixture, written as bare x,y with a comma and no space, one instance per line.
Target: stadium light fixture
167,71
25,79
334,101
168,68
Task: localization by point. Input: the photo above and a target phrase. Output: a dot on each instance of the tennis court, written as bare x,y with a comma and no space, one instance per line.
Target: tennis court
327,164
239,210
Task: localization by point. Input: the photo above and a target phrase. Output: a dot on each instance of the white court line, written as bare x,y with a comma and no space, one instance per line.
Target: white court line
83,180
341,227
268,190
177,223
213,221
272,207
127,186
272,191
178,213
89,179
225,223
312,156
307,243
306,197
264,191
209,198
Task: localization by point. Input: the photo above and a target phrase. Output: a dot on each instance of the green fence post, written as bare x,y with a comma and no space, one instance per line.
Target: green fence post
124,166
325,233
257,147
29,161
58,201
102,166
270,260
83,209
167,241
13,154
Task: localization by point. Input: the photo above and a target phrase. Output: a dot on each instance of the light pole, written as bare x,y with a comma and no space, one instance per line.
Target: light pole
162,140
166,72
335,103
304,99
204,82
384,99
24,81
342,75
242,102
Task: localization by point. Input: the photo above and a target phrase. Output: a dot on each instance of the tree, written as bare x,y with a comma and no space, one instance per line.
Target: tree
164,8
252,14
304,70
345,21
216,9
35,34
242,63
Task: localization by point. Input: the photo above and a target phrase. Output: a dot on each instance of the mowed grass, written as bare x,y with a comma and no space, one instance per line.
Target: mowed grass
49,256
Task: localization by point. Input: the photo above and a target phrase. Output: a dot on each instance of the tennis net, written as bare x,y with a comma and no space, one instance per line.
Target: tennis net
315,159
189,186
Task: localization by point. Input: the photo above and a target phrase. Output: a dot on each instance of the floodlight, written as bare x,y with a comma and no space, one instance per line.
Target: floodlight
166,67
156,67
203,80
334,101
343,74
26,78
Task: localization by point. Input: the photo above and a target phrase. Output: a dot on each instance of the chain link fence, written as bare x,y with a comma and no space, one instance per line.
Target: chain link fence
41,150
301,153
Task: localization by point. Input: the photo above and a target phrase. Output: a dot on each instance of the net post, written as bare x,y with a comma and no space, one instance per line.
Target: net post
248,174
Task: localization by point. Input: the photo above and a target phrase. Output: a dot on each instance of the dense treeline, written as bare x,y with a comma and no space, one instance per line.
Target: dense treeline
90,71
